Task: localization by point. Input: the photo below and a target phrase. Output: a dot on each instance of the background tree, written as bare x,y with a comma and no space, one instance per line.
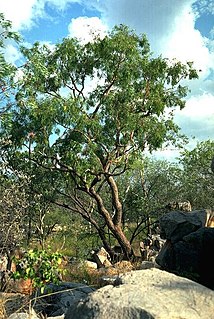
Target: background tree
86,112
7,70
42,219
13,198
14,203
152,185
198,181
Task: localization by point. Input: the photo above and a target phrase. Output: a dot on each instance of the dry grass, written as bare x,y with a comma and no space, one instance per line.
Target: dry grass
19,302
12,302
80,273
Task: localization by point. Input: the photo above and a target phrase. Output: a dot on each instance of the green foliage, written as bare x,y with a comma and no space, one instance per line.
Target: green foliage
151,184
14,203
85,113
7,70
198,181
76,238
155,180
123,111
41,266
6,32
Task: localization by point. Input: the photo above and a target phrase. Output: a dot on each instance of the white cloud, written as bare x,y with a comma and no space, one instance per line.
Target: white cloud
197,118
155,18
199,106
86,29
22,12
12,55
186,43
61,4
19,75
169,154
170,28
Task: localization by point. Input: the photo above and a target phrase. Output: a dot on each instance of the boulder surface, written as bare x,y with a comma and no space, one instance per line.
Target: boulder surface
147,294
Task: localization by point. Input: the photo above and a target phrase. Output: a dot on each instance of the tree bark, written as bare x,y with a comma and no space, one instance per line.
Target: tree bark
114,224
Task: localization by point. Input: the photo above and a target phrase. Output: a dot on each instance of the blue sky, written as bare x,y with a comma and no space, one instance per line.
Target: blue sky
181,29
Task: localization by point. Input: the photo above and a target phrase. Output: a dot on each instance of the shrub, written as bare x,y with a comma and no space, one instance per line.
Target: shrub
41,266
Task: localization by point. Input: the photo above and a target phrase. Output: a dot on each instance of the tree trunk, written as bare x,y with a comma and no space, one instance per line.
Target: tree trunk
106,243
114,225
29,231
123,242
9,259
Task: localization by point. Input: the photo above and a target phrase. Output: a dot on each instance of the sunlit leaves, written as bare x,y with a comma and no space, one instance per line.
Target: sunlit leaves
6,32
41,266
7,70
198,178
96,104
85,113
14,202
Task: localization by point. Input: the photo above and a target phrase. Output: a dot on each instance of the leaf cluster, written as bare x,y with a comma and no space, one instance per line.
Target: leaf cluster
7,70
41,266
98,102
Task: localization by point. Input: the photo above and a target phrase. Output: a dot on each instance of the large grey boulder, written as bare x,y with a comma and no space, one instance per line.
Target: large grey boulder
58,298
176,224
189,245
147,294
24,315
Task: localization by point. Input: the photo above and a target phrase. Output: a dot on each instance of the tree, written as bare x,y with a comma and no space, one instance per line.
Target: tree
152,185
198,182
86,112
41,219
14,203
7,70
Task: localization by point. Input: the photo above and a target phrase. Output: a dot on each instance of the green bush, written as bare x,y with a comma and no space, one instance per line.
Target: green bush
41,266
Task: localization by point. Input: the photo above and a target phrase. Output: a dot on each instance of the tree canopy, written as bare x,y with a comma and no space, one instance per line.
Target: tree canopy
7,70
198,181
85,112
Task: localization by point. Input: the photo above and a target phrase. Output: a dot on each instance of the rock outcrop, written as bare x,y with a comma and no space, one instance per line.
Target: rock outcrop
57,298
152,293
189,245
144,294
